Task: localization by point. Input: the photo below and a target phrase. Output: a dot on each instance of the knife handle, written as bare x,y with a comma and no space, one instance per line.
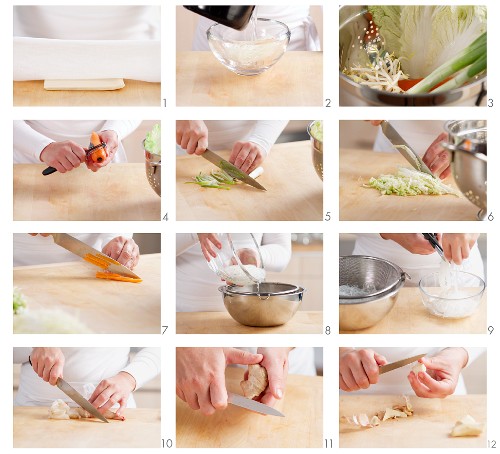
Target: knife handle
49,170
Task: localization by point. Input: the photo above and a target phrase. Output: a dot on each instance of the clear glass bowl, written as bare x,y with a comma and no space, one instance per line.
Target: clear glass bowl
457,301
241,264
250,51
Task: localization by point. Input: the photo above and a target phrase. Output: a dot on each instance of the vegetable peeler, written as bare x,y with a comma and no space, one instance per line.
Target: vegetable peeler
95,153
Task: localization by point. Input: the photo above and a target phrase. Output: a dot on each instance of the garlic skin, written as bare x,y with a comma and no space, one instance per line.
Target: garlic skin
467,427
418,367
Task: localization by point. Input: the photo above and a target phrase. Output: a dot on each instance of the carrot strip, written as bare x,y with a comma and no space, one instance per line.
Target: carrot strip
116,277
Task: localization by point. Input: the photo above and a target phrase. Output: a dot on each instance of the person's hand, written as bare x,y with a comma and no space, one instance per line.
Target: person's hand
276,363
207,241
358,369
63,156
375,122
457,246
123,250
247,156
441,376
110,138
412,242
247,256
41,234
192,136
48,363
437,158
113,390
200,378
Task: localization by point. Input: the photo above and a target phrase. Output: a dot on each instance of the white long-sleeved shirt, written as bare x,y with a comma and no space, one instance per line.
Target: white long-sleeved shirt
197,284
418,134
32,136
122,22
396,381
222,134
416,265
38,250
304,35
84,366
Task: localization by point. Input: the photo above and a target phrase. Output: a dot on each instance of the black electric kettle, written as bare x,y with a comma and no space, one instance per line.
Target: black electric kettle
236,16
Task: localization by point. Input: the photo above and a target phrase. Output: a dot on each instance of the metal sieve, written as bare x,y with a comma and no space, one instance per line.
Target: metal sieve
372,273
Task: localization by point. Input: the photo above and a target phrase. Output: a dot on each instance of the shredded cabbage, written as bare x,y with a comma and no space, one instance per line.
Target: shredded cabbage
409,182
48,321
425,37
19,301
152,143
317,130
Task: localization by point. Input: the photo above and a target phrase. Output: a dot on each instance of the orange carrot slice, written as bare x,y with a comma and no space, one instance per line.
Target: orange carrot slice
117,277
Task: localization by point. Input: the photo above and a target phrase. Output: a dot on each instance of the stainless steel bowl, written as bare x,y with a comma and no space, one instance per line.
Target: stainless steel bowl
153,170
467,143
383,278
353,23
317,152
362,313
269,304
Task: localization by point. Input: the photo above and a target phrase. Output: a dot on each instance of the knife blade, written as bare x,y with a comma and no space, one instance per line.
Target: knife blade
400,363
249,404
431,238
75,396
230,169
81,249
404,148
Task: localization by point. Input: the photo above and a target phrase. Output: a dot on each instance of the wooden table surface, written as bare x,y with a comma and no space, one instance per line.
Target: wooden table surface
357,203
294,190
117,192
429,426
135,93
409,316
235,427
104,306
33,429
295,80
303,322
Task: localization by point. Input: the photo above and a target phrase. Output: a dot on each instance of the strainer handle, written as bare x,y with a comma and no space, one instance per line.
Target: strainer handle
405,275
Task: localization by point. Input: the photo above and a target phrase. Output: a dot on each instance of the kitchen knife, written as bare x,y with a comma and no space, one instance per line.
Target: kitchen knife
75,396
231,170
404,148
431,238
88,152
252,405
81,249
400,363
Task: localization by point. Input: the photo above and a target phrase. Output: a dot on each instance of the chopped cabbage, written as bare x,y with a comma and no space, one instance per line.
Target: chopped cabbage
48,321
317,130
425,37
409,182
19,301
152,142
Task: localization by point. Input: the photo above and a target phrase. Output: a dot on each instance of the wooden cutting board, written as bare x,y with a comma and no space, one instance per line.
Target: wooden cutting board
235,427
295,80
135,93
294,190
303,322
117,192
102,305
357,203
429,426
33,429
409,316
